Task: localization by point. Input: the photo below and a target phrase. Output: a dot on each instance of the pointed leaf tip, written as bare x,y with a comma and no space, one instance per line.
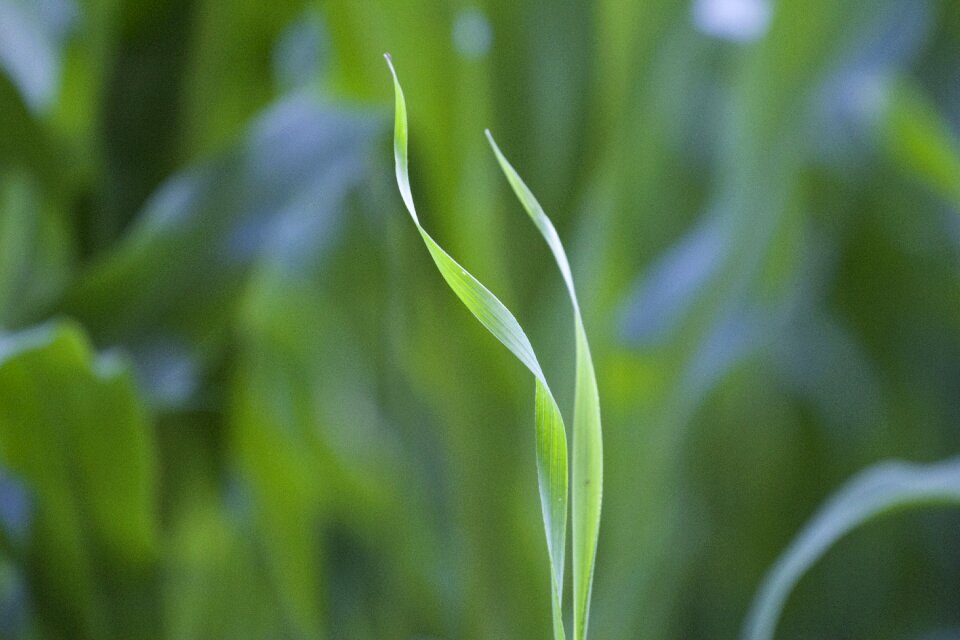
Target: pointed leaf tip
493,143
389,59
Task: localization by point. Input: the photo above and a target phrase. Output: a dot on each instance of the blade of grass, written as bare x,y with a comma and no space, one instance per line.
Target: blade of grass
587,434
918,139
551,439
879,490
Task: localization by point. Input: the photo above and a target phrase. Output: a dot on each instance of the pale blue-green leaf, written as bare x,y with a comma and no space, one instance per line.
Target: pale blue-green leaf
31,43
167,291
879,490
667,295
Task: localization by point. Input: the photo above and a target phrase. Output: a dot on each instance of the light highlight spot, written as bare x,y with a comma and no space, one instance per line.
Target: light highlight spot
472,34
735,20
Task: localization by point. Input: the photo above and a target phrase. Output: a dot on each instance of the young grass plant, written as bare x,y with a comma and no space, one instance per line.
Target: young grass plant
587,434
551,439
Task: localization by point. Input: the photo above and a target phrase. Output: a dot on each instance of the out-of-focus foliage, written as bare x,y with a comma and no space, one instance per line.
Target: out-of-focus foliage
882,489
222,417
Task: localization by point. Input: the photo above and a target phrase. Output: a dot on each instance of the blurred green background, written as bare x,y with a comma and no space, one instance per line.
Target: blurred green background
236,400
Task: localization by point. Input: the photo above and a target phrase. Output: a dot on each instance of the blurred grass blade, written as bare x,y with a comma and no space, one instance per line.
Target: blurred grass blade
550,433
169,288
74,427
879,490
919,141
587,436
32,47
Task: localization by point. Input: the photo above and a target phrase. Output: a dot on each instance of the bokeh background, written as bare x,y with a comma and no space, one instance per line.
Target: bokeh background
237,401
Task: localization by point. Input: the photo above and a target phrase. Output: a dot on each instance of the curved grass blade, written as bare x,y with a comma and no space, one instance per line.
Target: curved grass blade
551,437
587,435
919,140
882,489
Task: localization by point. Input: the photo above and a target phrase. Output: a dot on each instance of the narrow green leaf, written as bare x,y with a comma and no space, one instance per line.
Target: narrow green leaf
550,434
587,433
919,141
74,427
879,490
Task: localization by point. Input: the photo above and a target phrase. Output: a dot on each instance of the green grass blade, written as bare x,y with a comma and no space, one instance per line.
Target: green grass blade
551,439
879,490
919,140
587,435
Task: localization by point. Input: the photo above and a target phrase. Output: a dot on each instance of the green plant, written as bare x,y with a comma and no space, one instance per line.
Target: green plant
551,450
879,490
